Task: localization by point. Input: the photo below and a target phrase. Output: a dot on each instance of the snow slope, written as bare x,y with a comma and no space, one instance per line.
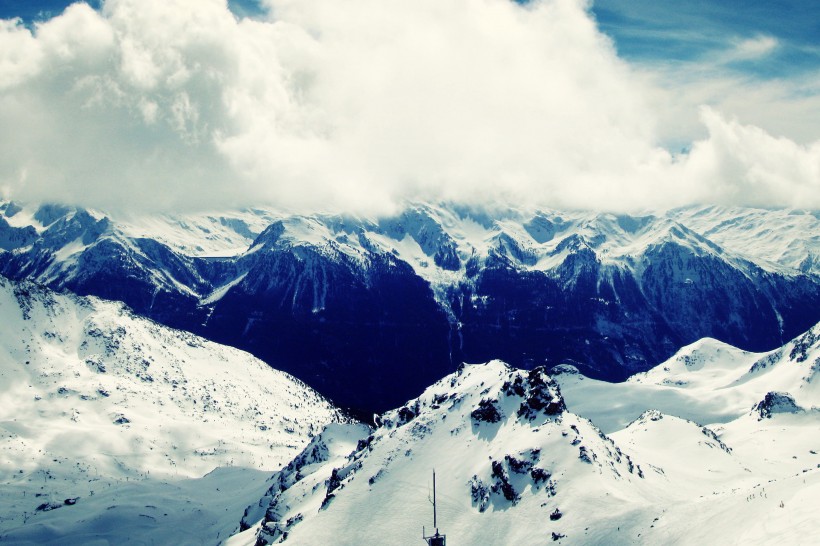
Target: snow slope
707,382
127,416
787,237
753,472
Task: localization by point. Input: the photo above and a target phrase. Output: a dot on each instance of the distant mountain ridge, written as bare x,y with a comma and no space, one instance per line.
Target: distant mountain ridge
371,310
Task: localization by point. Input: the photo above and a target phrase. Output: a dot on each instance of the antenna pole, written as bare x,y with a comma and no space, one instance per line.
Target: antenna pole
435,524
435,539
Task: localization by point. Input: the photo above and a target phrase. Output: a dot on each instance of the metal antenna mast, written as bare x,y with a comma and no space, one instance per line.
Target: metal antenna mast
436,539
435,523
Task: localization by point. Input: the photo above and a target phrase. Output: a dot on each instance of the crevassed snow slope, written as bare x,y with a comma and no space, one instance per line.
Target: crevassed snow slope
127,416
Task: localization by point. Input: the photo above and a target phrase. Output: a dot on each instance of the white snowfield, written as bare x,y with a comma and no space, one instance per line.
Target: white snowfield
707,382
108,423
716,446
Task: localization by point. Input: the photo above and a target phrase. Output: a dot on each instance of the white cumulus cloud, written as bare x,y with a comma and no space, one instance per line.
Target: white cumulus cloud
358,105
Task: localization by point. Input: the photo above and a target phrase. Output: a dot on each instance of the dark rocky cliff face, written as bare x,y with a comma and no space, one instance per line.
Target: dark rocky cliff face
359,323
607,328
361,333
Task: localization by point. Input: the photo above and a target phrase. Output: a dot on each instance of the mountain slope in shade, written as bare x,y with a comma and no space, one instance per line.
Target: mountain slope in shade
514,466
126,416
402,299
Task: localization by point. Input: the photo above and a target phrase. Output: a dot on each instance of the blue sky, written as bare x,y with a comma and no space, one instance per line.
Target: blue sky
32,10
694,30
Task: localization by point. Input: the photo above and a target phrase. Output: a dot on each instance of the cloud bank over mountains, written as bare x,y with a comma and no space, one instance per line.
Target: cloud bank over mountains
358,105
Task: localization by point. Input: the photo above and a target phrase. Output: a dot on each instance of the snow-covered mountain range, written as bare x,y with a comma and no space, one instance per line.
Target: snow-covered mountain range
372,310
116,428
109,421
699,450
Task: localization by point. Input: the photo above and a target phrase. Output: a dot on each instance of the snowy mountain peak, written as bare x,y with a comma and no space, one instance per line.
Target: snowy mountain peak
499,439
504,393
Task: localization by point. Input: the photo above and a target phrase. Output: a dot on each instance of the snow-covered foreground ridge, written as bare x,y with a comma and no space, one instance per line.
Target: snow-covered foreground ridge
125,416
515,466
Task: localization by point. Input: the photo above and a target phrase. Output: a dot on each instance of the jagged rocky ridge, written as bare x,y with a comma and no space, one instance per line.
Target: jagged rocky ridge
526,453
370,310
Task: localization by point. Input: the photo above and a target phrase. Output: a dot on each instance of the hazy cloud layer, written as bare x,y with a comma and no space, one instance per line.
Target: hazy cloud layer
162,104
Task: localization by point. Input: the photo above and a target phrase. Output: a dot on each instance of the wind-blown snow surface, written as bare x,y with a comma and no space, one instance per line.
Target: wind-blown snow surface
514,466
108,423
